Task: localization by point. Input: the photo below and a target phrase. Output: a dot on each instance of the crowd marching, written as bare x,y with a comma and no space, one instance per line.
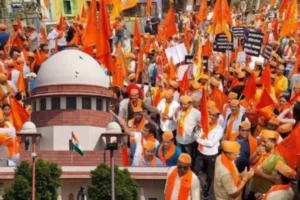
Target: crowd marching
227,125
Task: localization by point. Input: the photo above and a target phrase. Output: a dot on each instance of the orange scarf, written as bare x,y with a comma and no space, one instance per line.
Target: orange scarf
141,125
180,125
204,136
157,97
231,168
185,185
261,159
225,110
166,111
228,134
276,188
138,104
152,164
168,153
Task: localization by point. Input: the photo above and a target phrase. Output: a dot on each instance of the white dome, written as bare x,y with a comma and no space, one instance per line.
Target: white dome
28,127
113,127
71,66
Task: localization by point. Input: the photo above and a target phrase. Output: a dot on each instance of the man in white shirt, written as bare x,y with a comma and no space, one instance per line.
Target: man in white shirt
187,119
33,38
167,108
182,173
208,151
59,35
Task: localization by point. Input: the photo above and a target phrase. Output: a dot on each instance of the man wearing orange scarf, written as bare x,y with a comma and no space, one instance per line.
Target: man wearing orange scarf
281,82
248,146
228,183
182,183
148,158
187,119
264,163
282,189
168,152
167,108
140,138
233,121
208,150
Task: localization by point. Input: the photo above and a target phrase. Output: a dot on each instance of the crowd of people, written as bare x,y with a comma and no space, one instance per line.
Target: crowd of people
222,127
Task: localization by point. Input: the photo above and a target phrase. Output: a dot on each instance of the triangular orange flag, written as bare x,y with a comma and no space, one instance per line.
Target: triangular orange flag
104,32
283,7
90,32
118,69
169,24
43,35
204,113
62,23
173,73
137,34
140,66
265,100
46,4
289,148
250,88
18,112
184,83
148,7
20,26
83,12
267,112
38,57
266,78
219,98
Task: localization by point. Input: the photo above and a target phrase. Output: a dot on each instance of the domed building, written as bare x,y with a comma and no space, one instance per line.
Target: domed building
71,94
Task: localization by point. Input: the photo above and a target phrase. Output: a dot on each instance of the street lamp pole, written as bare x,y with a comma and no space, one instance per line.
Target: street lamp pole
112,158
33,156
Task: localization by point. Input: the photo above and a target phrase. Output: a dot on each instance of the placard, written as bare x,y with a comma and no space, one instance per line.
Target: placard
241,57
253,43
221,43
267,51
238,32
178,52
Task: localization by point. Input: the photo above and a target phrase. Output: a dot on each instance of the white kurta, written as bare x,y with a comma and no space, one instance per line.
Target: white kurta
281,195
168,124
195,187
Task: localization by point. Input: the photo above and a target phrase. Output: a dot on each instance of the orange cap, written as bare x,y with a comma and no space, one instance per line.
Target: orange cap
274,121
131,76
185,99
230,146
232,95
174,84
245,125
269,134
137,110
167,136
285,128
149,145
169,93
185,158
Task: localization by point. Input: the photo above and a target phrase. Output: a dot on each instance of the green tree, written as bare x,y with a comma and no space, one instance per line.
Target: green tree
47,181
100,188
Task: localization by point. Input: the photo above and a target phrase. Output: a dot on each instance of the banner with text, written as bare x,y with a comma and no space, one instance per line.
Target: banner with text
253,43
221,43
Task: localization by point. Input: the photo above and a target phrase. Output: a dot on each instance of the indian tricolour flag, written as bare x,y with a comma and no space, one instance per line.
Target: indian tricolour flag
75,145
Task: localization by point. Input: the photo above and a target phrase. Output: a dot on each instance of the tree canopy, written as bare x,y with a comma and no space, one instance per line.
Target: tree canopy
126,187
47,181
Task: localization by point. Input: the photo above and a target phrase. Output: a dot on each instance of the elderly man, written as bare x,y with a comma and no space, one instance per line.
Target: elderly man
167,152
182,175
167,108
33,38
228,183
187,119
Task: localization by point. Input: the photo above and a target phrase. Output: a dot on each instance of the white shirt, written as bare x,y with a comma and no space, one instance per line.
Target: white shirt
236,123
169,124
176,96
127,45
13,87
132,66
190,122
212,143
11,131
139,147
52,36
34,41
14,76
195,187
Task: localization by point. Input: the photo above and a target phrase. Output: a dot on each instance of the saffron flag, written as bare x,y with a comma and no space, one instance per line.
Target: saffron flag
137,34
250,88
289,148
76,145
219,98
265,100
169,24
18,112
184,83
90,32
266,78
204,113
203,12
290,23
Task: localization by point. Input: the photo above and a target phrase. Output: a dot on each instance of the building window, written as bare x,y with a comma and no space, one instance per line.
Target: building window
140,10
107,106
43,104
71,103
67,7
34,106
86,103
99,104
55,103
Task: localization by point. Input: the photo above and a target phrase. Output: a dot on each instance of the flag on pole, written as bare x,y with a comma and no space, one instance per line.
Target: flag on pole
75,145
